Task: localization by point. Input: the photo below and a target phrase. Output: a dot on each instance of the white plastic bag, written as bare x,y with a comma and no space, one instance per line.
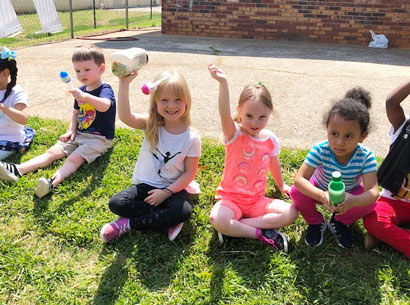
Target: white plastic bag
379,41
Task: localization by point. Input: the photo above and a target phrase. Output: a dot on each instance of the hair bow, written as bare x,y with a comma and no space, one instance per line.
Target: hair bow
6,53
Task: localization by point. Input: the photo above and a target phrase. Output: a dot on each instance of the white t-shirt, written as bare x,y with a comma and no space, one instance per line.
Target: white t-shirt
9,129
405,188
163,166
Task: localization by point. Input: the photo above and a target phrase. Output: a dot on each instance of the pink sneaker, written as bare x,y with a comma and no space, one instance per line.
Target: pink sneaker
174,231
114,229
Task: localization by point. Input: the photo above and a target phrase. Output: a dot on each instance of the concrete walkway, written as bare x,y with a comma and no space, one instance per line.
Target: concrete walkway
304,78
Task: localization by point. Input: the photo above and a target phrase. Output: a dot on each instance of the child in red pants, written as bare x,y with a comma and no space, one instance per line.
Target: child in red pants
392,209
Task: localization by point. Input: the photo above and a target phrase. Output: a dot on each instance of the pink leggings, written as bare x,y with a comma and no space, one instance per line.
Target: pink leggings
383,223
307,207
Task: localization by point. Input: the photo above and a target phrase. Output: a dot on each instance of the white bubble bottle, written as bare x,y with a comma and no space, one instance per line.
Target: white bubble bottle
124,62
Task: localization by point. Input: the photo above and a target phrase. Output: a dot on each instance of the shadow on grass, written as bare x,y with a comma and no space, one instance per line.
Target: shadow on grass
234,261
330,275
89,174
144,258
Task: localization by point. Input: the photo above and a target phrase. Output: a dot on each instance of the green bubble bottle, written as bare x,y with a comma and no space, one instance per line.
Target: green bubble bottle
336,189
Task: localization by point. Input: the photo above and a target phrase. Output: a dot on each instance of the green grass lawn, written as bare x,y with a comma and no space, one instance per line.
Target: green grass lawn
83,22
51,253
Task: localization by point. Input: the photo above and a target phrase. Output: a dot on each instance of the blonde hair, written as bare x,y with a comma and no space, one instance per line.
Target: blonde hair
88,52
181,90
257,92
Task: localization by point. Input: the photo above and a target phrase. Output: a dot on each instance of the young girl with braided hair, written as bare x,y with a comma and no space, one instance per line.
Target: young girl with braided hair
13,103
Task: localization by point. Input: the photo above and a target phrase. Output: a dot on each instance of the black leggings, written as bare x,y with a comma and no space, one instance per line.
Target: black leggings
130,204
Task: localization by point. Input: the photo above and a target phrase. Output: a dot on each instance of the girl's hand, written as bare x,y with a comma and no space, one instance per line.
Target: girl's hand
68,136
324,198
129,78
78,95
216,73
285,190
157,196
346,205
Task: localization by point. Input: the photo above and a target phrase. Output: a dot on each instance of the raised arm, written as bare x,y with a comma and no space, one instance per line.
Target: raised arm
394,111
228,125
133,120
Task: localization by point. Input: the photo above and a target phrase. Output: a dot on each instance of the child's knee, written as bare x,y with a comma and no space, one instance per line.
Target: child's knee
293,213
218,222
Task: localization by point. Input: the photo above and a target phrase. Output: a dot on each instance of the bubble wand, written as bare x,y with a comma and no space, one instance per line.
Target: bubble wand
65,78
149,87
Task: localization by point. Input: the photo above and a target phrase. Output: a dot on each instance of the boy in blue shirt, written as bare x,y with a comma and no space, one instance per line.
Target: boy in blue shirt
92,125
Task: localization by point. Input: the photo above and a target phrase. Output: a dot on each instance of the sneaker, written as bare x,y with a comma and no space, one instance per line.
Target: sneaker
220,238
114,229
44,187
9,172
342,232
174,231
370,241
314,236
273,238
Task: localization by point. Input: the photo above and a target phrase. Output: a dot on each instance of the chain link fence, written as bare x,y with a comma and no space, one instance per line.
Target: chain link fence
74,18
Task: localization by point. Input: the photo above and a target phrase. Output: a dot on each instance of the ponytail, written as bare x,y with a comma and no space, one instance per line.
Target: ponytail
11,65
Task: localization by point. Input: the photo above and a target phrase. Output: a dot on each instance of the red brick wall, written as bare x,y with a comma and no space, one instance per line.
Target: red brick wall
331,21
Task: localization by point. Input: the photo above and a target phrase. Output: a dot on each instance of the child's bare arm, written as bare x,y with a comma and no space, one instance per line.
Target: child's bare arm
305,187
134,120
72,130
228,125
369,196
17,114
275,170
394,111
101,104
157,196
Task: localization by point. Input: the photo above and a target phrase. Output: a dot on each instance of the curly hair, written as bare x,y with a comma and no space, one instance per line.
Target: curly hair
353,107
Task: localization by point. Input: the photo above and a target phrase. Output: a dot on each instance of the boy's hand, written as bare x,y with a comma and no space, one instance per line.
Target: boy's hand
346,205
129,78
78,95
157,196
68,136
216,73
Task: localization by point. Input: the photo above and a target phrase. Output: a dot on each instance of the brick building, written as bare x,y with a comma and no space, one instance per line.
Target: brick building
330,21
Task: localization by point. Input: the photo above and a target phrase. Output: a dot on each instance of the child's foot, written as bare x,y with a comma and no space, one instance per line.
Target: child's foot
44,187
370,241
114,229
174,231
9,172
342,232
314,236
273,238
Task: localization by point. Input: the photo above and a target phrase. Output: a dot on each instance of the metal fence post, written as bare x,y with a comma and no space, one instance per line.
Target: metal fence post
151,9
126,13
95,20
71,18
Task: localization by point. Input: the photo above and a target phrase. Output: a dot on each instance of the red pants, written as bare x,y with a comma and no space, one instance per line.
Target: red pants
383,223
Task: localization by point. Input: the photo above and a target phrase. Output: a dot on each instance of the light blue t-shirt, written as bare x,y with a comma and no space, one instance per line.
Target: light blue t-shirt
321,158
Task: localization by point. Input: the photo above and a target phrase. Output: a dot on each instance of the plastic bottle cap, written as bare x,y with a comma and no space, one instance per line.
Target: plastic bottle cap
336,175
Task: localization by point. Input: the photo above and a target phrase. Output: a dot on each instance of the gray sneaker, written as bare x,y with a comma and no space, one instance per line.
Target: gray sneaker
44,187
9,172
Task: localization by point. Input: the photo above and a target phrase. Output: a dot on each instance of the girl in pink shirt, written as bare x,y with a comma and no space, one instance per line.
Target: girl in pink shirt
242,209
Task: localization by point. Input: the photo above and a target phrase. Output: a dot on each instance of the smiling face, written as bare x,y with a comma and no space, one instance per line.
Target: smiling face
4,79
170,106
343,136
89,73
253,116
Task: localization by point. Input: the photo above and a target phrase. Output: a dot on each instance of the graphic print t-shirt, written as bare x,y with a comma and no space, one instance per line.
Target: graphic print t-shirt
95,122
404,193
165,164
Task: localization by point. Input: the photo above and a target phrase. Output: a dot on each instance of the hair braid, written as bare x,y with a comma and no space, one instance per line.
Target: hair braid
12,66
